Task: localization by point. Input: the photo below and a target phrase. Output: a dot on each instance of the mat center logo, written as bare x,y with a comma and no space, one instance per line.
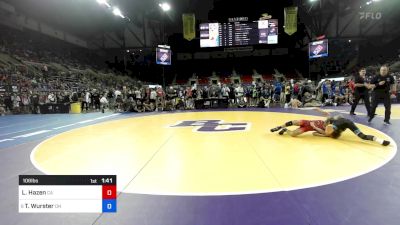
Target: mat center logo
213,125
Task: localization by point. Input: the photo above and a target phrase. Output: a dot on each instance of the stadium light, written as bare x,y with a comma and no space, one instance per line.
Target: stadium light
103,2
117,12
313,0
165,6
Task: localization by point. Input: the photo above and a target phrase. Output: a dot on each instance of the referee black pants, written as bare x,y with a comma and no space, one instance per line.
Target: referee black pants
377,97
365,97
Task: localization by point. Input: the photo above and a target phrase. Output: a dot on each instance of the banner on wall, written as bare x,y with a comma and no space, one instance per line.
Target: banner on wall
290,20
189,23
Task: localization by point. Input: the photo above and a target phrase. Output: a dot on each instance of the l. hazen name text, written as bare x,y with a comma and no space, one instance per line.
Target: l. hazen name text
32,192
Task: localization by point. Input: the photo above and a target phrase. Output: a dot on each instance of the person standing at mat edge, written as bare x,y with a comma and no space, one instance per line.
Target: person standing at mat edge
382,84
361,91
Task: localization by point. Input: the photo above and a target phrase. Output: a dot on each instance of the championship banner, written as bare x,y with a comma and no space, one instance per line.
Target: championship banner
189,23
290,20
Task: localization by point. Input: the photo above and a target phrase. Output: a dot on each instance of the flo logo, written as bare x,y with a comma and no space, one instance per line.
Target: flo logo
370,15
213,125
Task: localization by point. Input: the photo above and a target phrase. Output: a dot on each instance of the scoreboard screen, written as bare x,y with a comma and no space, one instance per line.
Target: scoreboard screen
239,33
67,194
318,49
163,56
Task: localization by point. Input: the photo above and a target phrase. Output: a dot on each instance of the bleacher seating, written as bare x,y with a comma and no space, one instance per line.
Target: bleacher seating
246,79
203,80
267,77
225,80
181,81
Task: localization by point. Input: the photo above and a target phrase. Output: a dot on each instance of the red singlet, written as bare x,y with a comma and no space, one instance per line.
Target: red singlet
305,125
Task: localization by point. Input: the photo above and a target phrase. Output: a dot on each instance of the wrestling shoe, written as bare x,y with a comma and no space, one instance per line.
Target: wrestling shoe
276,129
386,143
386,123
282,131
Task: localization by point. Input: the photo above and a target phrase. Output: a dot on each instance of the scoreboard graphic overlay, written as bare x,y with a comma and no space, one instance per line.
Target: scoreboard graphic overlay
67,193
239,33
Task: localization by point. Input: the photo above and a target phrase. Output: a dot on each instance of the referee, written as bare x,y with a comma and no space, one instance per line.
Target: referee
382,84
361,91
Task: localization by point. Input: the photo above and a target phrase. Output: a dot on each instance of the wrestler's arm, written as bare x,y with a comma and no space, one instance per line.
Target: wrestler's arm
319,134
320,131
322,112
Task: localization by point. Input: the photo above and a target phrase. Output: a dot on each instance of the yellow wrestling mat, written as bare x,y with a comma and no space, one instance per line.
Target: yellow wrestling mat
210,153
395,111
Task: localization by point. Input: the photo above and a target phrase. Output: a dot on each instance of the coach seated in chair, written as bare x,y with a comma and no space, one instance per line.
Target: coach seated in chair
148,106
138,107
130,104
264,102
180,104
310,101
295,103
169,105
339,97
171,93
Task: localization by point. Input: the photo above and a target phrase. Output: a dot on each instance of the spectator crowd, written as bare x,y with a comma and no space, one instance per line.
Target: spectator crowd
139,97
33,76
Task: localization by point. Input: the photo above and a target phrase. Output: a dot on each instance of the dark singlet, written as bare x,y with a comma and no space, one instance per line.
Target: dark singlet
341,124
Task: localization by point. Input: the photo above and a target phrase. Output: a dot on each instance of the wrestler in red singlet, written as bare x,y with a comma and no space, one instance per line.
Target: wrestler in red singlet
305,125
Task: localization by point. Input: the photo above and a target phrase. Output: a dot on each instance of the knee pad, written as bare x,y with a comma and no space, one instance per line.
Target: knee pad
366,137
370,137
362,136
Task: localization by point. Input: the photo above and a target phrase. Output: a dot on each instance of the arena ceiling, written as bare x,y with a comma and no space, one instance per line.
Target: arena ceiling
87,18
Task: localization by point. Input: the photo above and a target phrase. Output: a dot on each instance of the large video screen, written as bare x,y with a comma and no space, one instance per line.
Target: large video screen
163,56
318,49
238,33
